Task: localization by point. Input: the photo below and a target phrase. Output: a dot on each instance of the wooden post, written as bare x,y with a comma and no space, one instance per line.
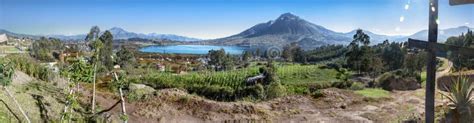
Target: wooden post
431,67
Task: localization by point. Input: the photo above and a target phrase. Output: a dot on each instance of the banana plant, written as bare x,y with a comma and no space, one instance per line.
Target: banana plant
7,72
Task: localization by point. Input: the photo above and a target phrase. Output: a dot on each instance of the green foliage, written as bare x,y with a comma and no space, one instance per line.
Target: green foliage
317,94
275,89
326,52
295,53
6,72
360,58
120,80
230,85
374,93
125,57
460,94
393,56
357,86
79,71
220,60
31,67
247,55
342,84
93,34
459,60
401,74
415,62
106,53
43,48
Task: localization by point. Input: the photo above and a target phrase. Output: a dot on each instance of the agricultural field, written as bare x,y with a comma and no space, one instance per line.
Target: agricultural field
232,83
9,49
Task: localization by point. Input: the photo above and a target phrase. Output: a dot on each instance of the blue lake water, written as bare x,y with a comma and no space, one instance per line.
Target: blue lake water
191,49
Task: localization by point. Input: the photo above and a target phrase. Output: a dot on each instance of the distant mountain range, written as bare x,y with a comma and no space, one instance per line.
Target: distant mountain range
117,32
286,29
443,34
289,28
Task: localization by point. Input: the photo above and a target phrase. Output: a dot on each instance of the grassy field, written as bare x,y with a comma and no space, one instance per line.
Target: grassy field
9,49
300,74
373,93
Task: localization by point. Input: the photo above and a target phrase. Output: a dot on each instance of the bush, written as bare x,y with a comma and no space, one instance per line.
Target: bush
357,86
398,80
257,91
294,89
342,84
317,94
275,89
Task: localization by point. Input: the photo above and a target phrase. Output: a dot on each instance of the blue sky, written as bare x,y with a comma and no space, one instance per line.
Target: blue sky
220,18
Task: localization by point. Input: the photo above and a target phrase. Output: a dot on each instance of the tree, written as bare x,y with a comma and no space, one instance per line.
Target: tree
220,60
299,55
361,37
358,58
287,53
43,48
97,46
7,72
246,56
93,34
393,55
415,62
295,53
461,61
107,51
125,57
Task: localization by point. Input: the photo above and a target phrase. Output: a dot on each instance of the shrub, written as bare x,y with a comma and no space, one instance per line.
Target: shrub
399,80
357,86
342,84
294,89
275,89
317,94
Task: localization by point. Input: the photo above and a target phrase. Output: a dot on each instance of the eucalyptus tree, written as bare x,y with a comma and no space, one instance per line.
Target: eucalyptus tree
7,71
96,46
107,50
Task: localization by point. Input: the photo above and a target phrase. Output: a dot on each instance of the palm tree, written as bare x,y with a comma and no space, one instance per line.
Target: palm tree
6,74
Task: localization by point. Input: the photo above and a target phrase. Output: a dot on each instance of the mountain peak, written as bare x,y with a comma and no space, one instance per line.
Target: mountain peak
116,29
288,16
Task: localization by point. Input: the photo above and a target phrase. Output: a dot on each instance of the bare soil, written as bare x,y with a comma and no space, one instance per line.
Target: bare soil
175,105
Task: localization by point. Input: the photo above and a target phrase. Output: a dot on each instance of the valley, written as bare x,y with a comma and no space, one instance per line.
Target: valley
220,61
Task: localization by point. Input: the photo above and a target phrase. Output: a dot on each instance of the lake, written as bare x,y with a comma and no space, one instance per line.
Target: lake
192,49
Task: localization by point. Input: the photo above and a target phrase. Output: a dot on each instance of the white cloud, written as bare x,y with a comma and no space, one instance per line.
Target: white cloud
397,29
407,7
402,18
